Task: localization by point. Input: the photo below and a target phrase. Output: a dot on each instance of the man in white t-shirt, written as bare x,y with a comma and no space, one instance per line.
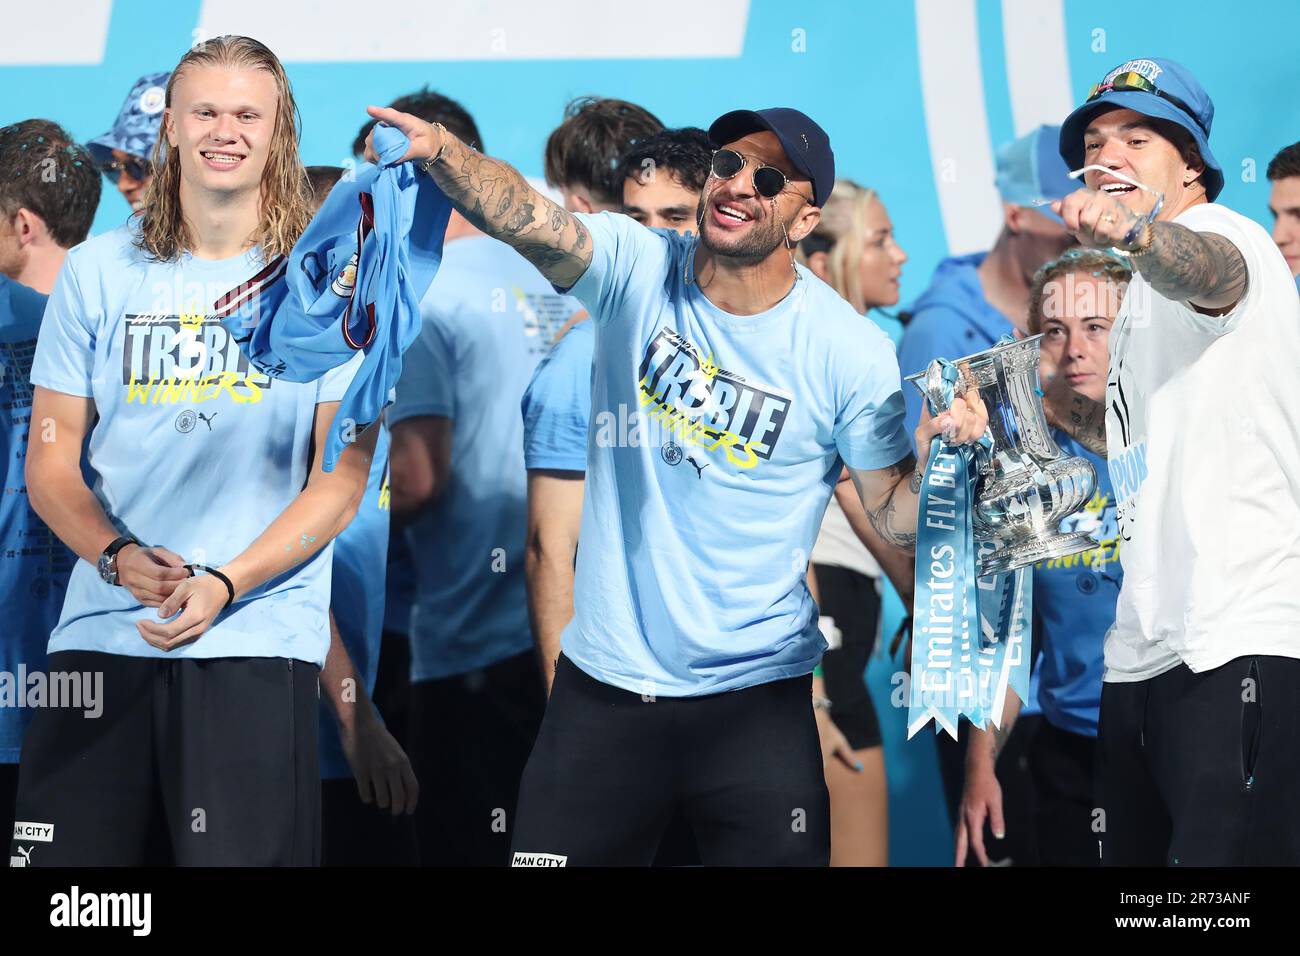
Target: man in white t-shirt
1197,758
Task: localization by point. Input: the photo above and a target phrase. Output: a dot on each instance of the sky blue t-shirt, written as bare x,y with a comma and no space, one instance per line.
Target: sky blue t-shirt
715,443
1074,601
357,597
34,564
488,320
557,403
192,450
951,319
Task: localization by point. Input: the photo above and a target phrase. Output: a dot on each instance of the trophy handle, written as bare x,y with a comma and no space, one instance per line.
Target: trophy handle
934,386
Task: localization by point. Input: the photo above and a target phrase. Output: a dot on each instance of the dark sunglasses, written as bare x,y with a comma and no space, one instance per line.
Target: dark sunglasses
768,180
137,169
1132,81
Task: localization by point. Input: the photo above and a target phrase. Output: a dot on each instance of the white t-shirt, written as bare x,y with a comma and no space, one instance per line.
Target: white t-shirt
1203,434
838,545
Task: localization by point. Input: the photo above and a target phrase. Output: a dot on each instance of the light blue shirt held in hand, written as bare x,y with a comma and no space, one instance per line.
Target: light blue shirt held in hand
193,449
715,443
353,282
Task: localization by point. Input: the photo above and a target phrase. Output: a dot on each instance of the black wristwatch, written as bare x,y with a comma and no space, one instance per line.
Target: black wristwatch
108,560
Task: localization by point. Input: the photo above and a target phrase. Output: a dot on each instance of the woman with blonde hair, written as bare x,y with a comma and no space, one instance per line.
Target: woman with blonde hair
853,250
201,601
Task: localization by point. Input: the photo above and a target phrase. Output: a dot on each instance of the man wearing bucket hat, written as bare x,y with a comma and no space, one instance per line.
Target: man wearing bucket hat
1197,755
684,681
124,154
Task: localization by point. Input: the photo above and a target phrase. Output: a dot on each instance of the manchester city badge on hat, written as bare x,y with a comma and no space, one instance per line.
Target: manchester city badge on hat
135,130
1154,87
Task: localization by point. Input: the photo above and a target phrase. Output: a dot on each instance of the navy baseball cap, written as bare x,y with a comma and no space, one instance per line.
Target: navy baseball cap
135,130
805,143
1153,87
1032,173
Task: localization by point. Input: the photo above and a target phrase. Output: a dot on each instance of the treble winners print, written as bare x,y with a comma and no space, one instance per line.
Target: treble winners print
688,398
185,358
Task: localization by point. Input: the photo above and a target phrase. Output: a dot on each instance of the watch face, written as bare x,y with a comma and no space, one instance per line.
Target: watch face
106,569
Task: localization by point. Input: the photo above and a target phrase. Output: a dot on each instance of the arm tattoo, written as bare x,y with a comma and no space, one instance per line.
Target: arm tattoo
497,199
1198,267
895,523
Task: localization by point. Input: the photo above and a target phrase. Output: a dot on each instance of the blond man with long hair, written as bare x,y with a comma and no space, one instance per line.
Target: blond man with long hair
853,250
196,620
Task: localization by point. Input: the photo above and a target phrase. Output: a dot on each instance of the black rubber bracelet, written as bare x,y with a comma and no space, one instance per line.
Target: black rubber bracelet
230,588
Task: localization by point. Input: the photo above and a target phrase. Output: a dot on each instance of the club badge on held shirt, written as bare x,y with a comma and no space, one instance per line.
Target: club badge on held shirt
346,280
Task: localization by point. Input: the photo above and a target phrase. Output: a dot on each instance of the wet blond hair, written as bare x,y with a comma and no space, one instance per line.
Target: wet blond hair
842,235
285,207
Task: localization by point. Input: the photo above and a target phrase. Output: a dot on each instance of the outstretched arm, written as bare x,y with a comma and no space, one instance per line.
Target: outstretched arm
1200,268
497,199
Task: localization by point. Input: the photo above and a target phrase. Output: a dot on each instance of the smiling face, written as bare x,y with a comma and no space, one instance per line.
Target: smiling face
1127,142
739,223
1078,310
221,123
881,266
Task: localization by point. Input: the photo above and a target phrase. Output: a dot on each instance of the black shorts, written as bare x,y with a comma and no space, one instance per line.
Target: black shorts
1061,767
610,768
852,600
8,790
470,738
219,756
1202,769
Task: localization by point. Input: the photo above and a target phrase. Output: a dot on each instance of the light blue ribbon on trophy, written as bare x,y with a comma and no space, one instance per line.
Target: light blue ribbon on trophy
970,635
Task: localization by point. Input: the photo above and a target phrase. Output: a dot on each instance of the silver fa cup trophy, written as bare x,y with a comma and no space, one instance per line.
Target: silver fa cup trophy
1027,484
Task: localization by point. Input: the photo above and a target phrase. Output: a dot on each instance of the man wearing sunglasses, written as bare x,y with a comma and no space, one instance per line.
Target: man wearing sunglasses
124,154
1197,755
744,382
